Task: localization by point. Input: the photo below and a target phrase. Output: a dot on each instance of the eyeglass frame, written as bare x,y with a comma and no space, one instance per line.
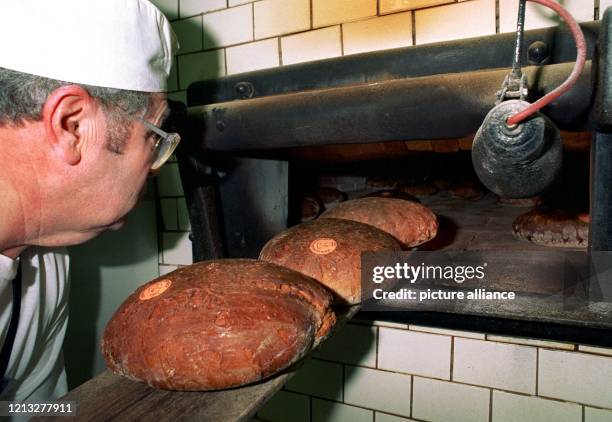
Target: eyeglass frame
172,138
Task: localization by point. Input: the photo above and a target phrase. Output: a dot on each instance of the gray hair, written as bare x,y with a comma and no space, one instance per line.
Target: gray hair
22,97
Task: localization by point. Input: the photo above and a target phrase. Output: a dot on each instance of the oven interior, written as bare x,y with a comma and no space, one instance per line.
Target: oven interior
262,143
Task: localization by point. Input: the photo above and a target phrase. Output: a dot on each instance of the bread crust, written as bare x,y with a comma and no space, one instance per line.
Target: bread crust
552,227
411,223
391,193
330,197
217,324
329,250
418,189
470,190
530,202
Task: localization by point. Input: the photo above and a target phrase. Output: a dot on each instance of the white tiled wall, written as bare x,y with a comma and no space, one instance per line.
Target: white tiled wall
312,45
537,16
279,17
597,415
330,12
384,372
488,380
515,408
378,33
392,393
575,376
426,354
441,401
252,56
228,27
391,6
505,366
455,21
223,36
319,378
194,7
354,344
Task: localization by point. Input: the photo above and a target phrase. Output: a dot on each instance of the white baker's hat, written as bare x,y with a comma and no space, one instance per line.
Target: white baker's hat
126,44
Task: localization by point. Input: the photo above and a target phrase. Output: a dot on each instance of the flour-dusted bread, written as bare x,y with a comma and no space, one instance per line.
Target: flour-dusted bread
409,222
553,227
217,324
329,250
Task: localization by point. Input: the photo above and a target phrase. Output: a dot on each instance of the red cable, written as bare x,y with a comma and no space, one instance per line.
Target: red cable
572,78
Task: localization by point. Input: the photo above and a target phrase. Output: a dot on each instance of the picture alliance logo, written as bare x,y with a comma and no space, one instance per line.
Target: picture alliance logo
414,273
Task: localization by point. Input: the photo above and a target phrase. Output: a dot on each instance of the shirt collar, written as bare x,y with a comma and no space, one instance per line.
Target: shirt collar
8,267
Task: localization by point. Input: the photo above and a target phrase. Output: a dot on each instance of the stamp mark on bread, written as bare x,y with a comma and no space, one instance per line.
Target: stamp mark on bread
323,246
155,289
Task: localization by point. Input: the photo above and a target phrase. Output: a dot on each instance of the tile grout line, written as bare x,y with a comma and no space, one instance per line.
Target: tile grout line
341,39
431,377
242,43
452,358
177,213
213,11
343,380
492,389
225,61
411,395
497,16
413,23
349,405
537,369
280,51
311,15
377,342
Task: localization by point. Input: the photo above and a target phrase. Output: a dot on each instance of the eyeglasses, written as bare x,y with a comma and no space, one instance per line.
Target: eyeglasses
165,144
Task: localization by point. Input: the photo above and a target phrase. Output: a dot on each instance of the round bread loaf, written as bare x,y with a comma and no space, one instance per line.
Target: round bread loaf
217,324
329,250
409,222
552,227
532,201
383,182
442,183
330,197
390,193
418,189
310,209
470,190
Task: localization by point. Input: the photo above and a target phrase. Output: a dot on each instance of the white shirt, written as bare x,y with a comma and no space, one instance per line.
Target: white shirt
36,365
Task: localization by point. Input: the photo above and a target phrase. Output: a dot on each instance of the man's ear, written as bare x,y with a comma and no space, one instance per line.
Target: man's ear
64,113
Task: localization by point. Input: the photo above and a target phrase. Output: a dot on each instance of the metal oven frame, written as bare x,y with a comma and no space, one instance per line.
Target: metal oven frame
400,94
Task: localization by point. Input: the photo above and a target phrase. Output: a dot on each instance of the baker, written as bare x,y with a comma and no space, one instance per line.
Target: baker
81,100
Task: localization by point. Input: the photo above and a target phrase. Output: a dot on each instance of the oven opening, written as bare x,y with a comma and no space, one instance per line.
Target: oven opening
275,148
